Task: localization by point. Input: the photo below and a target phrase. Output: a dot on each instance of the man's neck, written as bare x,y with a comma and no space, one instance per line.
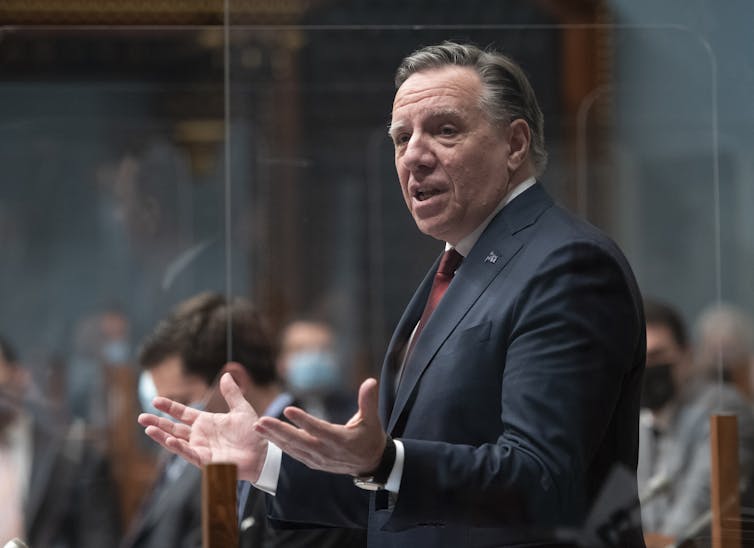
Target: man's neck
465,244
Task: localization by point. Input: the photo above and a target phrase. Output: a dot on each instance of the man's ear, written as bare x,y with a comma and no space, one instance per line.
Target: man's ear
239,374
519,141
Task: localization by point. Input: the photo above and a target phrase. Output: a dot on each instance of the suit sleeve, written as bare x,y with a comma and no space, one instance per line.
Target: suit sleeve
569,345
307,497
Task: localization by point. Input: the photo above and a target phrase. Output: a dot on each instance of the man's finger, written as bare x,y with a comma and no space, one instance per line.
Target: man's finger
299,445
183,449
231,392
314,426
175,429
286,434
148,419
176,410
172,444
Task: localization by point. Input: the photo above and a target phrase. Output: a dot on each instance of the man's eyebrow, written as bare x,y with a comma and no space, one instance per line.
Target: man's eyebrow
394,127
447,111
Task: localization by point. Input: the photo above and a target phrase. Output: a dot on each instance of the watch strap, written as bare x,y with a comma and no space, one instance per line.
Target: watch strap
379,476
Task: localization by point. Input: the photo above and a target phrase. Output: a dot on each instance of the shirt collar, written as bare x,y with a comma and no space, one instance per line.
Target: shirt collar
464,246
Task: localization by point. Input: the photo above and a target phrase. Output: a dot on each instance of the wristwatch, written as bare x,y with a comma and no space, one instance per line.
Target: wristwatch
378,478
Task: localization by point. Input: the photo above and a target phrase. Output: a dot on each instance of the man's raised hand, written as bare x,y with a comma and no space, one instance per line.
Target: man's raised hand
354,448
202,437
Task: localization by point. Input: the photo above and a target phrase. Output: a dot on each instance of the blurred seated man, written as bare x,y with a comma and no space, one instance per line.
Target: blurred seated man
308,362
724,337
674,451
55,488
185,355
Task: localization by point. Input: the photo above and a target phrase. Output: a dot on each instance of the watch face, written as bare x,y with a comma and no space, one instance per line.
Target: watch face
368,483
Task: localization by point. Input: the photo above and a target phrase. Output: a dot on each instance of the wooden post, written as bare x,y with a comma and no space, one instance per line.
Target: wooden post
725,504
134,467
219,513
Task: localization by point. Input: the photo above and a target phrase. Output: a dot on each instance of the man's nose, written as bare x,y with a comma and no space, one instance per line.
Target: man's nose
418,154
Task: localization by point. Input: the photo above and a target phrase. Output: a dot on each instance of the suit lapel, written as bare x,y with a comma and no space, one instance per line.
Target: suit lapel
493,251
406,324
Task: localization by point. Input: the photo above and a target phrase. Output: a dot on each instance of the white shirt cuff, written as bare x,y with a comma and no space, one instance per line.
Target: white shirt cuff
393,483
268,478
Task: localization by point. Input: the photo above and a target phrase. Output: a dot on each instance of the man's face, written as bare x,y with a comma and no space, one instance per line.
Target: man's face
662,349
666,368
452,162
173,382
302,336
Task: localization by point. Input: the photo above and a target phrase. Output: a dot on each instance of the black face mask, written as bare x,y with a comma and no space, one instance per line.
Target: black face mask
658,387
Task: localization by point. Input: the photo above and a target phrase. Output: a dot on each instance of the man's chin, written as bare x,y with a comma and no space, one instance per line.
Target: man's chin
438,231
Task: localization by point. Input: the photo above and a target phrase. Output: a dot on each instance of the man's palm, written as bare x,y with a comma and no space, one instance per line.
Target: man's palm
202,437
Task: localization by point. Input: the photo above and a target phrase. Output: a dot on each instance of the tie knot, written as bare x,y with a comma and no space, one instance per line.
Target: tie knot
449,262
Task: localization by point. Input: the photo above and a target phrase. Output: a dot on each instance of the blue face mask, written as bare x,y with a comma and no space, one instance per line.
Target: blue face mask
198,405
313,371
116,352
148,392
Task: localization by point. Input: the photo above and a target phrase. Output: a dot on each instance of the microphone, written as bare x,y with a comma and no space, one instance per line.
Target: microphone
16,543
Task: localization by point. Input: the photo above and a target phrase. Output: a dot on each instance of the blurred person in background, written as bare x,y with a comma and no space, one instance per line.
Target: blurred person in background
55,488
724,344
674,438
102,340
310,364
184,357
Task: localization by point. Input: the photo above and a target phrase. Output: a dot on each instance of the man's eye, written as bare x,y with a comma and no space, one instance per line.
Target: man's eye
447,131
401,139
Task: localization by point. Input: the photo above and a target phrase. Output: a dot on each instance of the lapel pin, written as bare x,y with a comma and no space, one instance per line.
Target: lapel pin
491,258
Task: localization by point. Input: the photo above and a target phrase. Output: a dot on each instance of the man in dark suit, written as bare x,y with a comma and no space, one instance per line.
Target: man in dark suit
184,356
44,466
504,410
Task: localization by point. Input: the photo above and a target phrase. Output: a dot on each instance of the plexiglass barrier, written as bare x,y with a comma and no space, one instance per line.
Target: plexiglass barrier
144,166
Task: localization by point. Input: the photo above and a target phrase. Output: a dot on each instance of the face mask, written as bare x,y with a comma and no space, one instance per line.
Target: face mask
116,352
198,405
313,371
148,392
658,387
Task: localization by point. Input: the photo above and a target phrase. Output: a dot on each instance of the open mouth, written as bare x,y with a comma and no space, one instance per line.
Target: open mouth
425,194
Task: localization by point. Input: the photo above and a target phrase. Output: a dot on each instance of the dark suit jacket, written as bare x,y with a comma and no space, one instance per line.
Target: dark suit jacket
258,532
72,501
519,399
171,513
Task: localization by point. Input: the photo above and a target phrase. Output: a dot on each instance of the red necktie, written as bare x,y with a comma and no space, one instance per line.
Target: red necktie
449,263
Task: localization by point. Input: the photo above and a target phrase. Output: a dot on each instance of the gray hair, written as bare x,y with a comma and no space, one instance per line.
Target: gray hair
507,95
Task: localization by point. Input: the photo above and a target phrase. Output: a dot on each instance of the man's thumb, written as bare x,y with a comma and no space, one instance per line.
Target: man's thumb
369,398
